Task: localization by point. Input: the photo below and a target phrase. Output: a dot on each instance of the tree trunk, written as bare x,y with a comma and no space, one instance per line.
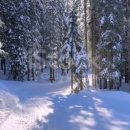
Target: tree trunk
52,74
89,35
85,22
33,74
28,73
72,89
4,67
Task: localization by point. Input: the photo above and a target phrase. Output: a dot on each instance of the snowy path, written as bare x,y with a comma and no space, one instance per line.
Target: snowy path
45,106
27,105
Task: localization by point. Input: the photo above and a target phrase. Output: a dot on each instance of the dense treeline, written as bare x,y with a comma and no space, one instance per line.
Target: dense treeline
32,32
57,33
108,41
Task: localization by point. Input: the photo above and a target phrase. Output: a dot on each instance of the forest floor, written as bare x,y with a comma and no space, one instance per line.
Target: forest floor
41,105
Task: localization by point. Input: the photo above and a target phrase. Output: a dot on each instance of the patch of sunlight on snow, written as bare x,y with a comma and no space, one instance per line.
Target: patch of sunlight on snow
84,128
75,106
97,100
85,113
83,120
84,96
115,128
120,123
93,90
103,111
62,92
40,106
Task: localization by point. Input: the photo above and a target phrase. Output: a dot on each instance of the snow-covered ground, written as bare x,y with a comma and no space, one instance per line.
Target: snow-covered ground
41,105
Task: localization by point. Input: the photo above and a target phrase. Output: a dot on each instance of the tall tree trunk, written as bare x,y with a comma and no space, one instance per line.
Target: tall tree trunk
51,74
85,22
89,34
72,78
28,69
4,67
1,64
91,38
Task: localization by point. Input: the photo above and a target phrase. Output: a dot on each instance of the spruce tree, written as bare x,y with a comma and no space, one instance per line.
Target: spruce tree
110,42
12,37
71,50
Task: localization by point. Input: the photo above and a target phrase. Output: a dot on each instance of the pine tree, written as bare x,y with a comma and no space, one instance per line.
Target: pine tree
81,70
110,42
52,36
17,63
13,39
31,27
71,50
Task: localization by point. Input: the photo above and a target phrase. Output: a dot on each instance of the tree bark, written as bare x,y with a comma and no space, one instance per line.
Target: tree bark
72,79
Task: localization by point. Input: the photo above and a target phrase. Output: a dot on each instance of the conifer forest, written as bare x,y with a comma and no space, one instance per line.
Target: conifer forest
64,64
